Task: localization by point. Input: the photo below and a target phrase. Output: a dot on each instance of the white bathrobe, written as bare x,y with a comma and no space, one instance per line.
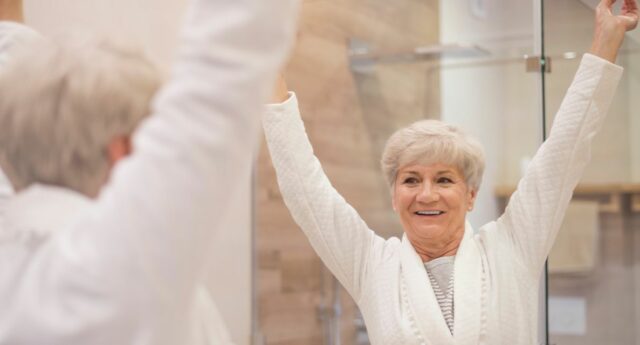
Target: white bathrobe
497,268
41,211
124,269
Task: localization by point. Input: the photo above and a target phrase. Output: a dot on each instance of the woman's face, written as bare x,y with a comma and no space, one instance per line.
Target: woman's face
432,201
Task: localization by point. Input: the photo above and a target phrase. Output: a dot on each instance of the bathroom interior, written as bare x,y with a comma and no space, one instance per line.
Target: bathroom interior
362,69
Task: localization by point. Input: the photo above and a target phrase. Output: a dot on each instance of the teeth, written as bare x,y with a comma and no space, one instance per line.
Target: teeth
429,213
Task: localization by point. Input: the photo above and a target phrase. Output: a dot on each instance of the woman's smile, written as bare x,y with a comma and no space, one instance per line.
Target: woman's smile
430,213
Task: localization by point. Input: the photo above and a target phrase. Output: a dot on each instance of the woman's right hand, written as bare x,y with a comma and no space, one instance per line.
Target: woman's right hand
610,28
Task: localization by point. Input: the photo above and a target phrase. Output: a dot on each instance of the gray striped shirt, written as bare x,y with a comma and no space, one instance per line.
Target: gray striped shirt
440,272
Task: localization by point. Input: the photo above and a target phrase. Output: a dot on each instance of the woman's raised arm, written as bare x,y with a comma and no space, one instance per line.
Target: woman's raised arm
336,231
536,210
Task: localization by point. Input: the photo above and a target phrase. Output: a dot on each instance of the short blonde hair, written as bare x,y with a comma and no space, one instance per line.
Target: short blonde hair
432,141
63,102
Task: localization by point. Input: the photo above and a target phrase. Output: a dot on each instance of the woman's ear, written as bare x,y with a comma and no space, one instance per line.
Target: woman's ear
119,148
472,199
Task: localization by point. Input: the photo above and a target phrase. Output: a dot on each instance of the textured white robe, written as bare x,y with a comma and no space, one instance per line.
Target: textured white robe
497,268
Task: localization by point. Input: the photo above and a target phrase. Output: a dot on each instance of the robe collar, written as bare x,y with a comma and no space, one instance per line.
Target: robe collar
468,290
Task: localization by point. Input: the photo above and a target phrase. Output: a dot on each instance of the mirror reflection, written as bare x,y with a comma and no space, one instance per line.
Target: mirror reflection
432,172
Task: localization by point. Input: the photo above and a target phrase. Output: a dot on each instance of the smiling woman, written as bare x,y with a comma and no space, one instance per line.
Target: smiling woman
432,202
444,282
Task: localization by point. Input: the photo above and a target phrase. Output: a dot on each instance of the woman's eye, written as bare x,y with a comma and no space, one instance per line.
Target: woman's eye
410,180
444,180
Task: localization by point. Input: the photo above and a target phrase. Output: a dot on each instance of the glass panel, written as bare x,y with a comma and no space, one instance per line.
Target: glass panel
593,268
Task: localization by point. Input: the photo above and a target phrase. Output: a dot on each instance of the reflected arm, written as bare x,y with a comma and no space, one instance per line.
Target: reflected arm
536,209
335,230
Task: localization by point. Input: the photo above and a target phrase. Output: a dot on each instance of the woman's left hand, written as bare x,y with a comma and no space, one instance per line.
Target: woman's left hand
610,28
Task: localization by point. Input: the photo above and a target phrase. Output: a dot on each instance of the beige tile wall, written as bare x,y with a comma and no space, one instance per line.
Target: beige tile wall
348,118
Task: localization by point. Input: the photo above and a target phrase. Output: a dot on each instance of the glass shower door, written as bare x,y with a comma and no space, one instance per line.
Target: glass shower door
594,267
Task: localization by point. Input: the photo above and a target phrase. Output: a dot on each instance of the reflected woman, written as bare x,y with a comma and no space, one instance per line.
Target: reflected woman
443,282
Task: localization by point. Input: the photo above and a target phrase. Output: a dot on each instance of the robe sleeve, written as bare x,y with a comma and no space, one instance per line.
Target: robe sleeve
535,211
336,231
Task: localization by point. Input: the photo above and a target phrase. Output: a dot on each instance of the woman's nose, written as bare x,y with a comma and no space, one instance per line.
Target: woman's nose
427,194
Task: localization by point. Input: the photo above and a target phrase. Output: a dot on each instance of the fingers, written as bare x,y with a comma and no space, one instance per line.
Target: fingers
630,4
629,14
630,7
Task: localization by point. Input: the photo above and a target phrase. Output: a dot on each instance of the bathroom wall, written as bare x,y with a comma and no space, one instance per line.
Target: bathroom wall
154,25
348,117
492,97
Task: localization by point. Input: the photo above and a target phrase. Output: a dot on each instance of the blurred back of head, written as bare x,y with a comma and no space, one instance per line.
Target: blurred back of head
61,105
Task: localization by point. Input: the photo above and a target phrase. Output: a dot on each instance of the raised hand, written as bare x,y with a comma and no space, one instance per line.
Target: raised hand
610,28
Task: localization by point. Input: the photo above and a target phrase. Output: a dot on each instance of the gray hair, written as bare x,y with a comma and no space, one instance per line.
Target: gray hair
63,103
432,141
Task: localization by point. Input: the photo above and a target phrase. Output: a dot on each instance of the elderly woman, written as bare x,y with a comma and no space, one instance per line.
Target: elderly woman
478,287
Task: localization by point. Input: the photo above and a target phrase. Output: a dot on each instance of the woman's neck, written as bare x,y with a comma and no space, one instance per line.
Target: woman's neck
433,248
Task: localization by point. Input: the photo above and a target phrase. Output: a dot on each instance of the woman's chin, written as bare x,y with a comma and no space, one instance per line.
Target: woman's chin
429,231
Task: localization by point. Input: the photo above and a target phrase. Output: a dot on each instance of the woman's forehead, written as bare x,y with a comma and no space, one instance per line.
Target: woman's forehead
437,168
